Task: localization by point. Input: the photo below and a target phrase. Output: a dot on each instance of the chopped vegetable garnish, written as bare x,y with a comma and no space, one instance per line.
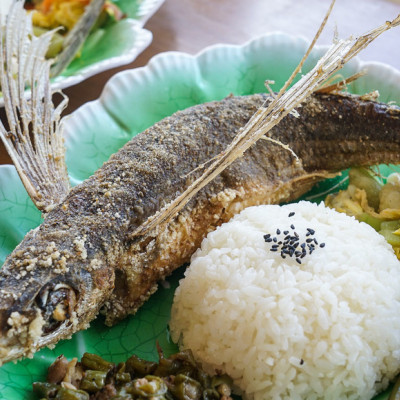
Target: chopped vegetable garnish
372,201
177,377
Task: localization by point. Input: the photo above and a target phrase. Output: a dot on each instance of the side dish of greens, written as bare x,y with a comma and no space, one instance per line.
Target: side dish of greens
176,377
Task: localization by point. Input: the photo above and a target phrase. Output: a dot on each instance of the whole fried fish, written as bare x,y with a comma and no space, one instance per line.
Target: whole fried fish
85,257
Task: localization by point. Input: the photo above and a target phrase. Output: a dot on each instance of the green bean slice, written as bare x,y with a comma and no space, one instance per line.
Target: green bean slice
69,394
93,381
186,388
96,363
44,389
148,387
139,367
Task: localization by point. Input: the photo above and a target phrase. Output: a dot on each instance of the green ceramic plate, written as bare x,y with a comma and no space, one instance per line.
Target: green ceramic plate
112,46
132,101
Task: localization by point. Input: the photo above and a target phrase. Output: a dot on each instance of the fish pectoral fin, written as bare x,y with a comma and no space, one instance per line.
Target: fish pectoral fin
34,139
135,281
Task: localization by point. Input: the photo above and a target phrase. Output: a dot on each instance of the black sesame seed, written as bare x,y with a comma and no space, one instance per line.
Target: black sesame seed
268,235
268,240
301,361
311,231
298,260
275,239
315,241
292,226
295,234
278,231
273,249
285,232
291,214
309,240
322,245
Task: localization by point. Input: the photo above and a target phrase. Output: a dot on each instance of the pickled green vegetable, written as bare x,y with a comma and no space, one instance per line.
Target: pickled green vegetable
391,238
389,197
376,223
380,208
390,225
363,179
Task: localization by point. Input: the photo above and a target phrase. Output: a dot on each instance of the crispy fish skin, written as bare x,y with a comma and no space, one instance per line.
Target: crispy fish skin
84,256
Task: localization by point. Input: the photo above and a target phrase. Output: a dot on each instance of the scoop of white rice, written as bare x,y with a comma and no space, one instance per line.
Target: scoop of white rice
326,328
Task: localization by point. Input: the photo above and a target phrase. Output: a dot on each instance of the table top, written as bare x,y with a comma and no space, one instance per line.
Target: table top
191,25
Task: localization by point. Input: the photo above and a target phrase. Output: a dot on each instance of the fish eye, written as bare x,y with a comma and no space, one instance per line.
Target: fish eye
57,301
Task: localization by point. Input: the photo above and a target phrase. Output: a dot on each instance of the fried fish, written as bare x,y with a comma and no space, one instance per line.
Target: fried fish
105,244
85,258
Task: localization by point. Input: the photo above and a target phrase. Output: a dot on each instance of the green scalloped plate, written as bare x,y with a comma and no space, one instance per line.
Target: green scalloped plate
132,101
114,45
111,46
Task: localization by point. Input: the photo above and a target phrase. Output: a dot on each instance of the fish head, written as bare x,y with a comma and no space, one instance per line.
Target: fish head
40,308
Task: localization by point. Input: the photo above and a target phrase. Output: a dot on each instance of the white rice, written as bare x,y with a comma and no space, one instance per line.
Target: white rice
328,328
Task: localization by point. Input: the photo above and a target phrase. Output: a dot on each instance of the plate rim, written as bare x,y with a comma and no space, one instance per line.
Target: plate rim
161,56
157,59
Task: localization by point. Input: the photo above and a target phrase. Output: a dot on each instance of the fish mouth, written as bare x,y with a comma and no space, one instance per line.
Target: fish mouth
33,320
56,302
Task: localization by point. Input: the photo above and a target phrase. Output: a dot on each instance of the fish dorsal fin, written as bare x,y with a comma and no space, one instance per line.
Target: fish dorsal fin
34,136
